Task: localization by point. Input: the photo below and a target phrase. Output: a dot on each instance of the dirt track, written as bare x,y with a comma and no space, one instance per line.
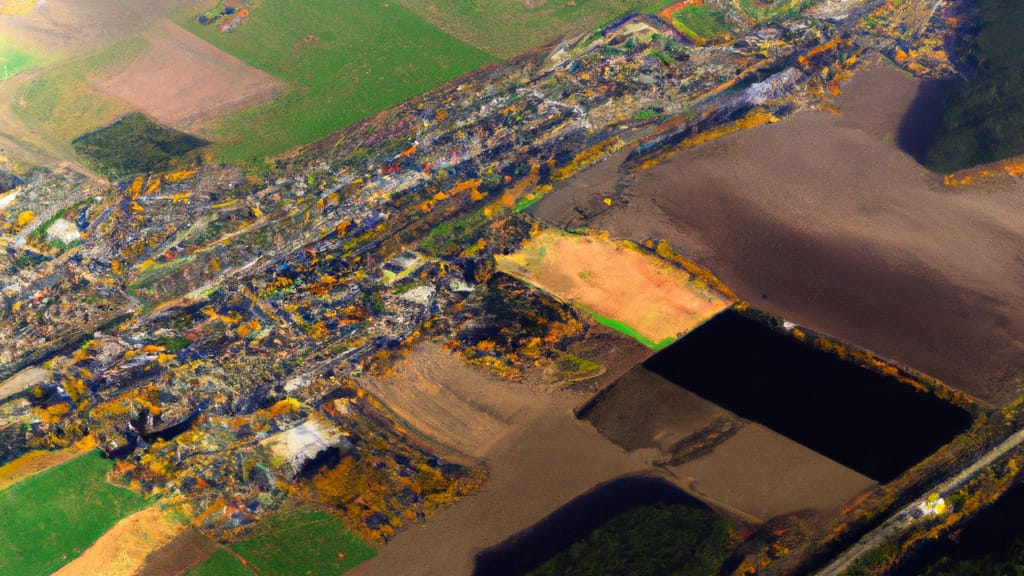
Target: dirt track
822,220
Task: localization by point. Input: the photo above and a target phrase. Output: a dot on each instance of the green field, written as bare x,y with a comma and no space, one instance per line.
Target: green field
649,540
701,23
14,60
52,517
506,28
61,101
222,563
341,65
301,541
773,11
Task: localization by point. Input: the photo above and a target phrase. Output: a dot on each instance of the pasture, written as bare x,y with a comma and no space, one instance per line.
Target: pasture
340,66
53,516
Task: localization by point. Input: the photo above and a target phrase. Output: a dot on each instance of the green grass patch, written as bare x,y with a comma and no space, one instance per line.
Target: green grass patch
762,11
222,563
342,65
135,144
629,331
62,103
14,60
506,28
303,541
701,23
52,517
572,367
648,540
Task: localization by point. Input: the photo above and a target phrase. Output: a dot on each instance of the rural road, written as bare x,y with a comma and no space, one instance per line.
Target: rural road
911,515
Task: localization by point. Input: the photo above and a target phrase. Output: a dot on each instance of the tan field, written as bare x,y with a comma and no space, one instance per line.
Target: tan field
32,463
616,282
122,550
73,27
821,219
181,80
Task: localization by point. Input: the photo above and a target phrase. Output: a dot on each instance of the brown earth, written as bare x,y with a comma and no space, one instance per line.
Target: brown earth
540,456
187,550
751,469
453,405
122,550
74,27
644,410
181,80
822,220
765,474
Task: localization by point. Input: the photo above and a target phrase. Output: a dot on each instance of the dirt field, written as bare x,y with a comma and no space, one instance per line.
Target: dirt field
627,415
22,381
122,550
188,549
541,456
766,474
753,469
181,80
73,27
822,220
450,403
649,296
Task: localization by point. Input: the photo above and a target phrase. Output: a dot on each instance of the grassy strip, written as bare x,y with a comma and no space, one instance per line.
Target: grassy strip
52,517
628,330
341,65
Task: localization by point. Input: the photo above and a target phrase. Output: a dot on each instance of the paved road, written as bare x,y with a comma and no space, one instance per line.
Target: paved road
910,514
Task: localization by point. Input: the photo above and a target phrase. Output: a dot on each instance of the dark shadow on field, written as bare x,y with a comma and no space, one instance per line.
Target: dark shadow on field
923,119
574,521
867,421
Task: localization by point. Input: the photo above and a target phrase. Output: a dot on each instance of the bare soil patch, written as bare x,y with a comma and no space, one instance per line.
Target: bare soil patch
454,405
122,550
823,220
74,27
644,410
766,474
648,295
182,81
547,460
187,550
751,469
23,380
